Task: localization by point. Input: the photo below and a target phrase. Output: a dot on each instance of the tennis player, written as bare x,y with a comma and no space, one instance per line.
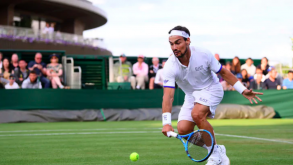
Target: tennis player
194,70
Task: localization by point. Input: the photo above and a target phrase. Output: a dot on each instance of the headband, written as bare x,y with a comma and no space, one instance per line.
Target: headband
179,33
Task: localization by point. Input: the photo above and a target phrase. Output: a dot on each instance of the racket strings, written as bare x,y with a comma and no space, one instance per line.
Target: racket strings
197,145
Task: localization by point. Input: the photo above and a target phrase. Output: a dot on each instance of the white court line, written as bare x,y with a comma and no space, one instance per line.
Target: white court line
139,132
58,130
77,133
255,138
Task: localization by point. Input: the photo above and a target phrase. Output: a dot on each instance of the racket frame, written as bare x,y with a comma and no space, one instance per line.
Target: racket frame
185,144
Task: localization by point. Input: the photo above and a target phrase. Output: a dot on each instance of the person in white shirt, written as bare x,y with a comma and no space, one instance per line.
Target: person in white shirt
250,68
159,77
194,71
12,84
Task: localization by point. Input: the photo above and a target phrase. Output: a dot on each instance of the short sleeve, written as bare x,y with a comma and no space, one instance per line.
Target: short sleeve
169,77
30,64
214,64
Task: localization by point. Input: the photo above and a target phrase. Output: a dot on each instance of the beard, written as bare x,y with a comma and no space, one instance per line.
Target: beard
182,54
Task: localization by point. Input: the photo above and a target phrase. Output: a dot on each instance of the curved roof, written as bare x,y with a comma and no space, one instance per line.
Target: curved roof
61,10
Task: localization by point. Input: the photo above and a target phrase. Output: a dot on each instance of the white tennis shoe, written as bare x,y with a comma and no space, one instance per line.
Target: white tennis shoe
215,158
214,161
222,151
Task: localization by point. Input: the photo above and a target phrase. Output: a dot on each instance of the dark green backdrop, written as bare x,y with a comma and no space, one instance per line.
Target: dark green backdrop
26,99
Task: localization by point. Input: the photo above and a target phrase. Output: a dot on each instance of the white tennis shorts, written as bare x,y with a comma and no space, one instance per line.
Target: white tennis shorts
210,96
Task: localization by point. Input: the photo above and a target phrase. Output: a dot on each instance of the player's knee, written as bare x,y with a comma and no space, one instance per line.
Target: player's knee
197,117
184,130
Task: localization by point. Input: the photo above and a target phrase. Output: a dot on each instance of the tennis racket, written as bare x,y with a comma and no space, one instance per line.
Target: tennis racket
198,144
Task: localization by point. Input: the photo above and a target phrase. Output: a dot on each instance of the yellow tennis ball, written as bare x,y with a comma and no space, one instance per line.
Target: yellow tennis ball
134,156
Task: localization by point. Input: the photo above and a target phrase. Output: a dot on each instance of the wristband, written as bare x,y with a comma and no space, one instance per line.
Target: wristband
238,86
166,118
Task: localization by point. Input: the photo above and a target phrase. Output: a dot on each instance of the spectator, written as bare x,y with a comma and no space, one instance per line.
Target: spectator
21,73
226,86
153,71
140,70
14,61
250,68
40,69
259,72
46,30
228,66
264,66
6,69
240,78
54,72
1,64
12,84
272,82
257,83
245,78
235,68
32,82
159,77
123,71
288,82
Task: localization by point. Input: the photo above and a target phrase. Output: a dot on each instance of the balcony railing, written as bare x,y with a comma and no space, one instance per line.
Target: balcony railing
31,35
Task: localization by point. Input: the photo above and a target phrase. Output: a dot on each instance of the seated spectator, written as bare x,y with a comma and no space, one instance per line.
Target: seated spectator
272,82
3,81
240,78
226,86
123,71
235,67
12,84
259,72
21,73
54,72
6,69
288,82
40,69
250,68
245,78
264,66
32,82
228,66
140,70
1,64
257,83
14,61
159,77
153,71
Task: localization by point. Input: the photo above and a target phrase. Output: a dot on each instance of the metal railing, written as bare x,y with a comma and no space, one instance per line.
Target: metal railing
31,35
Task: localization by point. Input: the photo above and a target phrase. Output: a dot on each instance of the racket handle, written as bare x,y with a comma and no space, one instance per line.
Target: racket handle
173,134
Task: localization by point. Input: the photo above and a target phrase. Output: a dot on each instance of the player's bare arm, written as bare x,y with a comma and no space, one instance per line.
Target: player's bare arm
166,110
232,80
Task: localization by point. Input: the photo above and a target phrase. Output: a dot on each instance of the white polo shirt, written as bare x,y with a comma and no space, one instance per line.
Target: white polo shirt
199,74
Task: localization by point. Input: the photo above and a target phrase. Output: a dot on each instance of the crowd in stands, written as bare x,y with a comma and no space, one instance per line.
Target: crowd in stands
254,77
16,73
258,77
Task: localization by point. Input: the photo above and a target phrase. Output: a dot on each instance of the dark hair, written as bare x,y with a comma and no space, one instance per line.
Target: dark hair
266,59
9,66
290,71
182,28
236,68
33,72
246,76
249,59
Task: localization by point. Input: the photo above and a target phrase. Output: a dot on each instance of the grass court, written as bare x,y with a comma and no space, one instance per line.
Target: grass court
248,142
